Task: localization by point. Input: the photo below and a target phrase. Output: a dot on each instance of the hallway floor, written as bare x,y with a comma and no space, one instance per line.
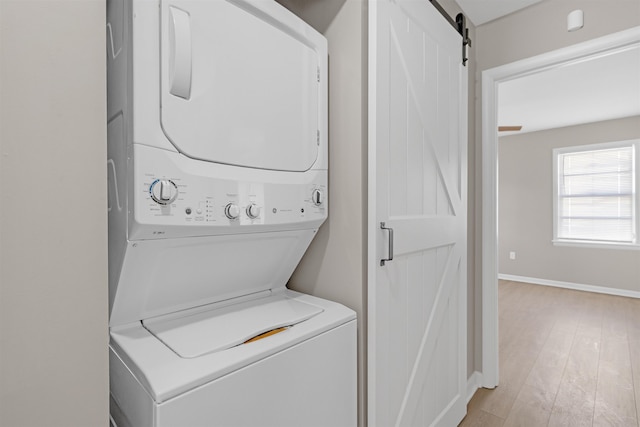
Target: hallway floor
567,358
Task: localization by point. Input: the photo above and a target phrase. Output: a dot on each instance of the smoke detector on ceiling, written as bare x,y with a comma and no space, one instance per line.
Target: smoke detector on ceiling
575,20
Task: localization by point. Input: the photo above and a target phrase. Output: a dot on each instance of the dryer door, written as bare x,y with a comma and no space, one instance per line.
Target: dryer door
239,83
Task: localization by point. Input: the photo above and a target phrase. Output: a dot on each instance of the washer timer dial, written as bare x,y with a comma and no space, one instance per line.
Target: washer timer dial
232,211
253,211
317,197
163,191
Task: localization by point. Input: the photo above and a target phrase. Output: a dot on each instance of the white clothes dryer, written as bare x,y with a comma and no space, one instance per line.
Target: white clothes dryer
217,164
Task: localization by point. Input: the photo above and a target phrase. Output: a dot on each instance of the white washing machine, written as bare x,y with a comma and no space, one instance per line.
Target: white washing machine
217,159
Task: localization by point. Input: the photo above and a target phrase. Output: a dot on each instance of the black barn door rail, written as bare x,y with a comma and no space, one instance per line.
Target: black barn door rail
460,25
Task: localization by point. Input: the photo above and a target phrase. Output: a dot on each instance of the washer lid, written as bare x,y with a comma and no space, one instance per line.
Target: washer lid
219,329
239,83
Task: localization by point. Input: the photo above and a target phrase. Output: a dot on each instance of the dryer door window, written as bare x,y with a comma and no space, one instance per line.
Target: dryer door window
238,86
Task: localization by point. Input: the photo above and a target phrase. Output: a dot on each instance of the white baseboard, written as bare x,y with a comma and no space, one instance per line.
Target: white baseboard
569,285
474,382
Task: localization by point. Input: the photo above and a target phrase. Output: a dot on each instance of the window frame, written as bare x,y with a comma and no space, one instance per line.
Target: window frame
635,209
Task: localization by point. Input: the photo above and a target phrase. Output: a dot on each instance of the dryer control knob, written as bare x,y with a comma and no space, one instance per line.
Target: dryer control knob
253,211
317,197
232,211
163,191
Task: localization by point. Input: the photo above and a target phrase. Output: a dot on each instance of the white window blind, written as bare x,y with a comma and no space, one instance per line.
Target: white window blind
595,195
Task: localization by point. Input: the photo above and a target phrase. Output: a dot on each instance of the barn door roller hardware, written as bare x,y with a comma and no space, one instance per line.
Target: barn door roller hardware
464,32
460,24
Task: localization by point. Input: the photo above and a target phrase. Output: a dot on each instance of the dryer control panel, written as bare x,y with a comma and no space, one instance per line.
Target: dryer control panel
222,198
176,201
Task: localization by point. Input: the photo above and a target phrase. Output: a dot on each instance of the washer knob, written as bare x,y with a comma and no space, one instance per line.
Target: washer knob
253,211
163,191
317,197
232,211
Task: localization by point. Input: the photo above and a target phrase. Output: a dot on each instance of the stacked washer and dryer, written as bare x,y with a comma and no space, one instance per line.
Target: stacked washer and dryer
217,157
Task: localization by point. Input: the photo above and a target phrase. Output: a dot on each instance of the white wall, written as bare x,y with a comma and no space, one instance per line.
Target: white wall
53,225
526,211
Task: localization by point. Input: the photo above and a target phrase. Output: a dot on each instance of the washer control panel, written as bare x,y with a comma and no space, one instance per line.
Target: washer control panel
232,211
176,196
179,201
317,197
253,211
163,191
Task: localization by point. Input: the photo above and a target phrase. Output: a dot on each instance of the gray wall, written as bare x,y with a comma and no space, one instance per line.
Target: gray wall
334,266
543,27
53,215
526,210
529,32
53,288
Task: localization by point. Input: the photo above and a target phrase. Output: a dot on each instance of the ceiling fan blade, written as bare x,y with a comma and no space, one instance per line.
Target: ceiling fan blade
509,128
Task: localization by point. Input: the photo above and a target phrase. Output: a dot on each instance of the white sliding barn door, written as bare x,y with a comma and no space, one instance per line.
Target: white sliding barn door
418,187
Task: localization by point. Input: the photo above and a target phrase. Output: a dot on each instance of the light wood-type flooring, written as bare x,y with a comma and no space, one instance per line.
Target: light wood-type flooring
567,358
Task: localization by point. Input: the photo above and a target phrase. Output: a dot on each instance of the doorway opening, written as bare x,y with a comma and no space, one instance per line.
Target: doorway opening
491,79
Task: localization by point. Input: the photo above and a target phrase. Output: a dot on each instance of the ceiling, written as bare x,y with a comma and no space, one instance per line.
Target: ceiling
482,11
602,88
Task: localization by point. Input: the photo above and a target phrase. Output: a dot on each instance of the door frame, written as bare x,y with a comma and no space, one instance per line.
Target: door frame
491,80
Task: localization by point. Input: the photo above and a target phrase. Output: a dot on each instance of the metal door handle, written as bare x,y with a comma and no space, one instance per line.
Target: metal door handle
384,260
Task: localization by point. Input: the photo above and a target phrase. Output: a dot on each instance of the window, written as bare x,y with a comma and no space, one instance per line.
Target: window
595,199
